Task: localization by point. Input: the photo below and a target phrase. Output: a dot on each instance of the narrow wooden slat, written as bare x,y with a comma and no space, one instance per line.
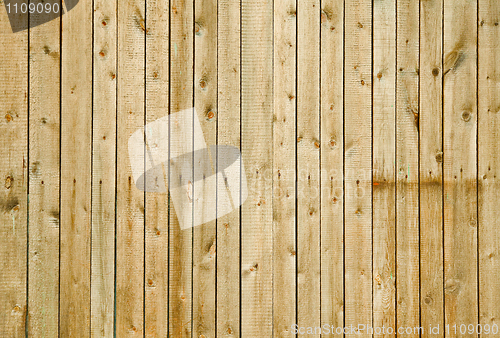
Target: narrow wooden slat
358,164
181,98
43,284
407,128
14,178
103,169
431,167
156,236
257,155
205,95
76,153
228,132
284,223
130,200
384,168
332,163
460,187
308,165
489,163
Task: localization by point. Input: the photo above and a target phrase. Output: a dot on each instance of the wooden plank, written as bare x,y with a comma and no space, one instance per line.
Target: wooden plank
489,164
460,185
407,146
13,173
181,98
357,163
308,165
228,132
431,166
384,168
156,215
257,155
130,200
103,169
332,163
205,98
44,156
284,164
76,157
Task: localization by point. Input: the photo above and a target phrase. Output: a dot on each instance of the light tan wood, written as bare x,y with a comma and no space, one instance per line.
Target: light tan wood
358,164
14,178
44,156
156,216
130,201
384,167
488,163
431,166
257,157
76,172
407,164
181,98
460,186
228,132
308,165
284,165
104,169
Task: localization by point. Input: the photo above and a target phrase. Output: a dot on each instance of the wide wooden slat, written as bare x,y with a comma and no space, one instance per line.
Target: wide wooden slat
257,155
45,76
431,166
384,168
489,163
358,164
407,145
460,187
156,216
130,200
284,175
76,162
228,132
14,178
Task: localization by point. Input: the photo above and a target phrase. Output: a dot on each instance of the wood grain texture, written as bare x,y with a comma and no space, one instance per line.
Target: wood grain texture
384,167
488,163
358,164
130,201
460,187
407,164
103,169
431,165
284,168
44,156
14,178
76,171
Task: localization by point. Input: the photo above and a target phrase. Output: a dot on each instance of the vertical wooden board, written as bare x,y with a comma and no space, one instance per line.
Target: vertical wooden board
284,165
332,163
308,164
257,155
407,146
103,169
205,98
156,214
431,170
460,186
358,163
228,132
13,173
181,98
489,163
130,200
76,153
384,169
44,122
